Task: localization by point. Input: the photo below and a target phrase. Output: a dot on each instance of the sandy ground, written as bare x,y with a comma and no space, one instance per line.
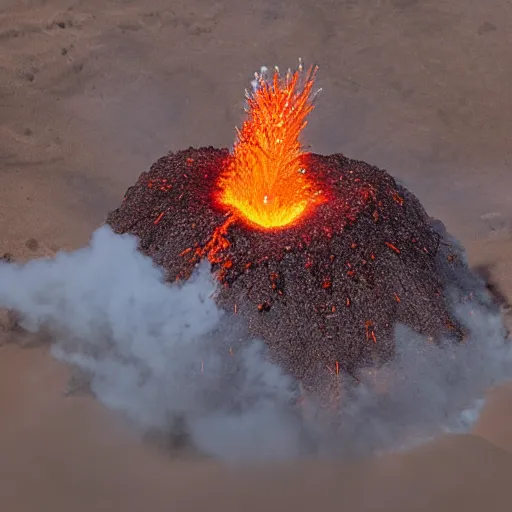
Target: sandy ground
91,92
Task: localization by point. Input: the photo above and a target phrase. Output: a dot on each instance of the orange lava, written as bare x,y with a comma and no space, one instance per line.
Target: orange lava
265,182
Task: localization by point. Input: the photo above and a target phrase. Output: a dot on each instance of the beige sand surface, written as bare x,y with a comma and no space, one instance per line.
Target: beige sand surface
91,92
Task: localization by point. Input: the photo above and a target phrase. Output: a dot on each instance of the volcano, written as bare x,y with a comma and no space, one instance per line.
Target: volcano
321,255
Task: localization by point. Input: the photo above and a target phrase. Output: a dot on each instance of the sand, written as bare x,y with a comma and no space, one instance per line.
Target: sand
92,92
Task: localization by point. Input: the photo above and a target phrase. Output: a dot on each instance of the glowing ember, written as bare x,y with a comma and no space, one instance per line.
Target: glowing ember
265,180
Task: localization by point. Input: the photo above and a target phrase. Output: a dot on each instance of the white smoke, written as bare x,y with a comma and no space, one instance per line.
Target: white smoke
428,389
165,356
154,351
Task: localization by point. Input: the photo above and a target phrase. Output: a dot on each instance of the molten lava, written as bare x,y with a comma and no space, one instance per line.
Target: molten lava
265,181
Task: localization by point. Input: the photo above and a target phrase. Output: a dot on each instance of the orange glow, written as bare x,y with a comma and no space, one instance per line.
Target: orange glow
265,182
370,333
217,244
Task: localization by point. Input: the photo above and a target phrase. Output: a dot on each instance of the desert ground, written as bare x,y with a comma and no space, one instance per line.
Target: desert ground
92,92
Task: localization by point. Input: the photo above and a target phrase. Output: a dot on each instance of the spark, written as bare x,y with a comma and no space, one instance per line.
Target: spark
326,284
392,247
264,306
370,333
159,218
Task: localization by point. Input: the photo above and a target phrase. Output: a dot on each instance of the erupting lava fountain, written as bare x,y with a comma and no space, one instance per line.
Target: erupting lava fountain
321,255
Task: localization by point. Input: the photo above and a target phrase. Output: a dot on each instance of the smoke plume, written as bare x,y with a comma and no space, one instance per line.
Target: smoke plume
167,358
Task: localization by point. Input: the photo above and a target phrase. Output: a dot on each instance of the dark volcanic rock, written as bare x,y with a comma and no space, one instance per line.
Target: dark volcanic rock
324,293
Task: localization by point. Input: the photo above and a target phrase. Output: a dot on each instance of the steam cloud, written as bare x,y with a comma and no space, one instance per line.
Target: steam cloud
160,352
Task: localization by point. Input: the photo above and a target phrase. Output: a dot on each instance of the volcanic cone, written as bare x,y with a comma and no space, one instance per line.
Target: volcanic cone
322,255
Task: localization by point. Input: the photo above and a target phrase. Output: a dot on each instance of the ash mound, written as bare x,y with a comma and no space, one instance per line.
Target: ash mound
325,293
